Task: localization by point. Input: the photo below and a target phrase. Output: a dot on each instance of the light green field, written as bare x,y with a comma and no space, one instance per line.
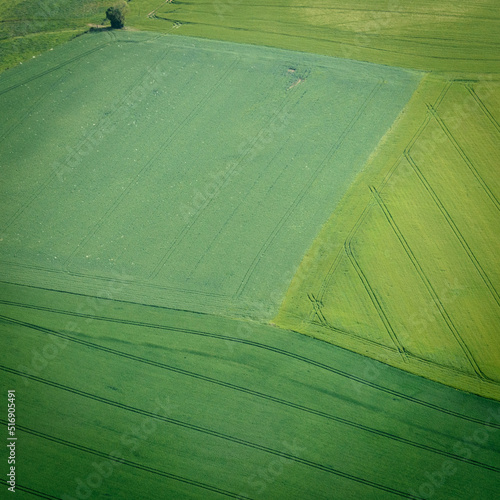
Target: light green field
442,35
407,268
121,400
191,199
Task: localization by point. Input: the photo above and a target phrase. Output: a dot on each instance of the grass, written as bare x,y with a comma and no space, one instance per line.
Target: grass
443,36
29,28
153,402
406,270
186,198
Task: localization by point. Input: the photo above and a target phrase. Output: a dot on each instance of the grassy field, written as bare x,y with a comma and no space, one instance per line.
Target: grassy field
186,198
29,28
441,35
407,268
122,400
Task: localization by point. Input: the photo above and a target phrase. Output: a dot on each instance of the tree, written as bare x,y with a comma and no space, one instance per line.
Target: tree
116,15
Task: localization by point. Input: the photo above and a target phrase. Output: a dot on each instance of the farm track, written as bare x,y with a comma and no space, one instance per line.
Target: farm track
237,205
347,244
464,156
225,338
55,68
455,229
30,491
484,108
371,46
234,167
371,293
135,465
428,285
239,441
159,472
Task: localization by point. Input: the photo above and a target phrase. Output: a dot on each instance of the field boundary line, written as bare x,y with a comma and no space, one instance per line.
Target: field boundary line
252,343
428,284
131,281
331,152
325,283
411,143
463,155
363,215
454,228
55,68
367,46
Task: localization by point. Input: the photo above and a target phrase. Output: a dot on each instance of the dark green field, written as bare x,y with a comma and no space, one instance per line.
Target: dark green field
134,401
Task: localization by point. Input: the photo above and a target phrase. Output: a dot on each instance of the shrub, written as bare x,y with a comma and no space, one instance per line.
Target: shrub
116,15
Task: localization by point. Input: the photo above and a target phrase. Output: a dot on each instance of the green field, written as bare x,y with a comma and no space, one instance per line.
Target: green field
29,28
440,35
190,199
122,400
232,265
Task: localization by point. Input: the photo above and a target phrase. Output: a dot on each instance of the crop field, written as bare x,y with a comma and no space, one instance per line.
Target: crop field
250,249
176,405
413,275
189,199
431,35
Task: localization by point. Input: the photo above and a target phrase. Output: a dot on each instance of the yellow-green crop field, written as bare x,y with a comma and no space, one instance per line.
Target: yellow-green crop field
407,268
